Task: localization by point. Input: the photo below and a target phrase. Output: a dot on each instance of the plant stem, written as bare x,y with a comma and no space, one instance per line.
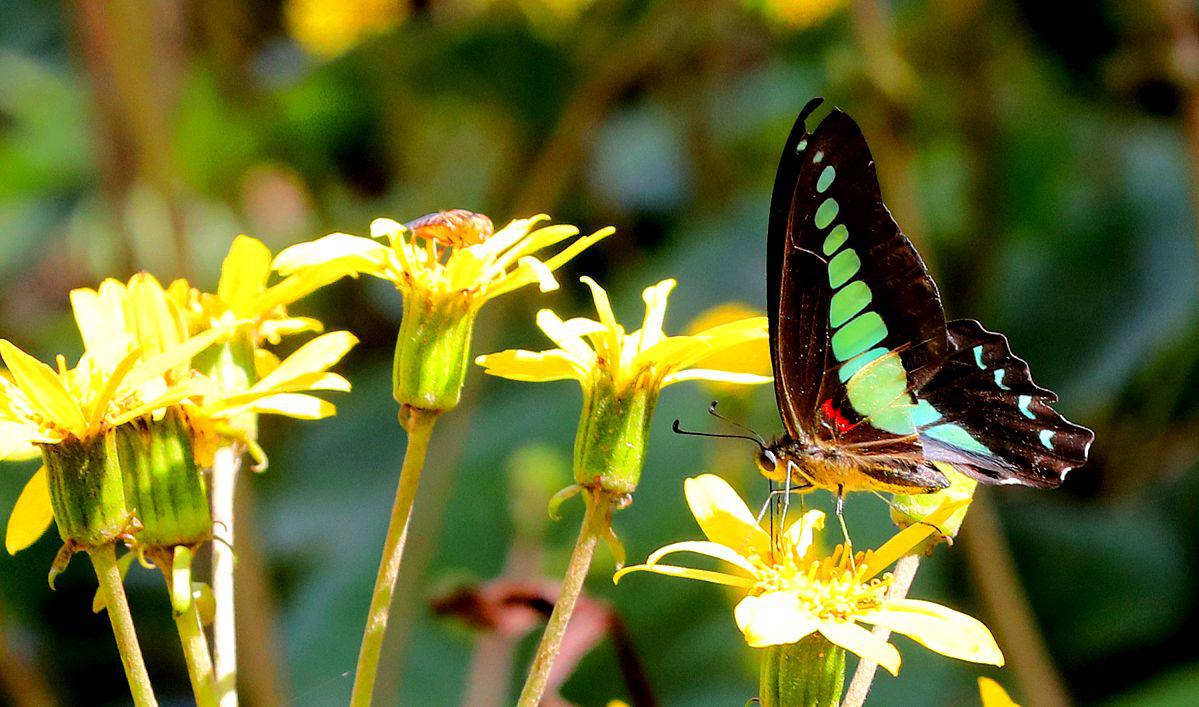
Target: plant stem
195,653
863,677
420,428
555,630
225,468
104,559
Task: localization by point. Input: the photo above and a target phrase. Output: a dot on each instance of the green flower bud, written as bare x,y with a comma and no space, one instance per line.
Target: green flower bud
163,486
87,491
907,510
432,351
810,673
613,431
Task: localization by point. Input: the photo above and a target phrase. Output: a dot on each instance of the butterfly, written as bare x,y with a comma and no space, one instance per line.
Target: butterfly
874,386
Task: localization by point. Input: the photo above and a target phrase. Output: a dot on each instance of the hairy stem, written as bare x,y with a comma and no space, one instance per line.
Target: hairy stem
225,468
555,630
863,677
104,559
420,428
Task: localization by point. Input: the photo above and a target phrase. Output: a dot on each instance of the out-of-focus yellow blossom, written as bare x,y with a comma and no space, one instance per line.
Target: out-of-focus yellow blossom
446,266
621,376
328,28
993,694
793,591
797,14
749,357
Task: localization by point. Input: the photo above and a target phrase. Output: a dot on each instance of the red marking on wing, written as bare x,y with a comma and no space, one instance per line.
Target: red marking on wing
834,415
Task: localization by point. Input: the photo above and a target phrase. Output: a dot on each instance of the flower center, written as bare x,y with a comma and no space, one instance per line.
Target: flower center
830,589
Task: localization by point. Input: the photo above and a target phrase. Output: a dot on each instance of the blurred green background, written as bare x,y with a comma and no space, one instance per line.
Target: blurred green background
1042,156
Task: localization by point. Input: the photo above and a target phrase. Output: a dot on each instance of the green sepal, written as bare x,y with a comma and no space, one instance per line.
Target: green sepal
554,507
231,364
163,485
87,491
613,432
432,351
809,673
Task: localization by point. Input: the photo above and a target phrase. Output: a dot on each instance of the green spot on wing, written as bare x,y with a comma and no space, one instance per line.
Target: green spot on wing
803,145
1047,438
847,302
843,267
816,158
826,179
835,239
826,212
1023,403
857,363
978,357
924,414
999,372
879,391
957,436
857,336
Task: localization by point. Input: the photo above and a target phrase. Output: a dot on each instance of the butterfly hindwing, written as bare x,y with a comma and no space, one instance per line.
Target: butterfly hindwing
995,423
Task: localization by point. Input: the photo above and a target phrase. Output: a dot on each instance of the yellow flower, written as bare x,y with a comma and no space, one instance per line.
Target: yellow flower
621,375
446,266
993,694
750,357
244,302
137,362
327,29
423,261
797,14
792,591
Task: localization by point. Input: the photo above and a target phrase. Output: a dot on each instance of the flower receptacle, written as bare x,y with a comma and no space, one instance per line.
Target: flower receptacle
432,351
809,673
613,432
163,486
87,491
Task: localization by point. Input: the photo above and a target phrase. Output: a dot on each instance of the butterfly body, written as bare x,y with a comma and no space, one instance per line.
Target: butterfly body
874,386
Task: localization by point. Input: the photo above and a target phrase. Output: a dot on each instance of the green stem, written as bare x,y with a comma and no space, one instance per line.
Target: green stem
572,586
195,653
104,559
420,428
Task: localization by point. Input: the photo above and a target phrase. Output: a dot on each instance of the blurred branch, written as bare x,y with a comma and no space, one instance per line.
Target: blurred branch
1184,29
127,45
261,680
625,58
863,677
21,680
995,576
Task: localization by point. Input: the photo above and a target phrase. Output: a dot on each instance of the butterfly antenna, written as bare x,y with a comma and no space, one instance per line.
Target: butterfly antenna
738,425
679,430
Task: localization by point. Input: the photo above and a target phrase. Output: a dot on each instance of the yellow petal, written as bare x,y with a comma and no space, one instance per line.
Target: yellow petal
569,335
902,542
244,274
313,357
692,374
578,246
535,366
158,326
716,550
543,275
16,441
993,694
178,356
687,573
939,628
297,405
342,253
773,619
42,386
603,307
31,515
724,517
856,639
706,346
273,330
655,298
802,532
100,317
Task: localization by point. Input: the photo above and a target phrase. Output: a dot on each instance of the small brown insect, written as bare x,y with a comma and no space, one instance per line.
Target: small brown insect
456,228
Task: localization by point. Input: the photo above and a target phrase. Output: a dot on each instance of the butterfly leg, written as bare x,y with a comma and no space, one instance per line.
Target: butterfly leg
841,519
